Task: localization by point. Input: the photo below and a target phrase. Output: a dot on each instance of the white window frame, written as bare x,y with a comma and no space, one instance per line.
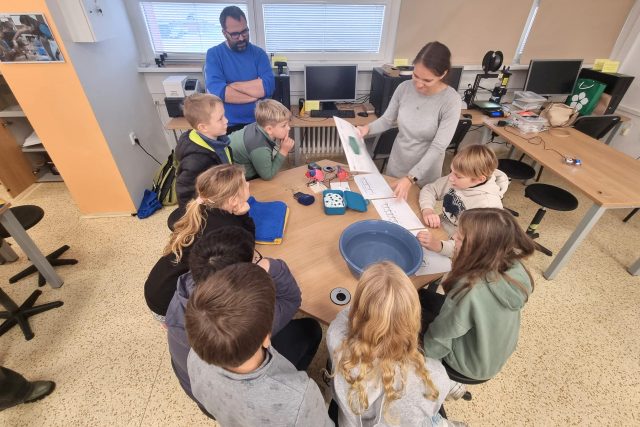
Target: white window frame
256,25
297,60
145,46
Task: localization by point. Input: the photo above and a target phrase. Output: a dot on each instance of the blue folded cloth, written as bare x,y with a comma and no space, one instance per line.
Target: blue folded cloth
270,219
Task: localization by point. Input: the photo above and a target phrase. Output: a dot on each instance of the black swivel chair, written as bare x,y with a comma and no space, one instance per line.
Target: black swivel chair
462,379
20,315
632,213
548,197
28,216
594,126
383,147
516,169
461,131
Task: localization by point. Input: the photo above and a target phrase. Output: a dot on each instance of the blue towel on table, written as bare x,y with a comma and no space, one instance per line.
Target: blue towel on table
270,219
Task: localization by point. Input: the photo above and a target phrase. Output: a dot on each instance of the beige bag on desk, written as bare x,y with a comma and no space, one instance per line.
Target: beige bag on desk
559,115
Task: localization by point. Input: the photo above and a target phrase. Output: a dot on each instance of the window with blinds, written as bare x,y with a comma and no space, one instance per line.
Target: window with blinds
184,28
318,27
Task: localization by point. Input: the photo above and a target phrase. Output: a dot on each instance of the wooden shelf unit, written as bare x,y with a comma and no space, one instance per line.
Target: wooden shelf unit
20,166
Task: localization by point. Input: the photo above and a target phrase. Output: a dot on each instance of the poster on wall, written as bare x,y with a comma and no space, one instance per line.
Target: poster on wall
27,38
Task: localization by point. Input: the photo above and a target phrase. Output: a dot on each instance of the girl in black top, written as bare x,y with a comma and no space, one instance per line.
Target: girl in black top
222,193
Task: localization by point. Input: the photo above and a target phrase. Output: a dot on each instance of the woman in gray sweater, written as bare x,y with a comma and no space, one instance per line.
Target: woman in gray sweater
426,111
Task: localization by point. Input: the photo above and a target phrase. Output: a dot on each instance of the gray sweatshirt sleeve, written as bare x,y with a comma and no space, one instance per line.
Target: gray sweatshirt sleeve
448,122
288,295
337,331
313,408
390,117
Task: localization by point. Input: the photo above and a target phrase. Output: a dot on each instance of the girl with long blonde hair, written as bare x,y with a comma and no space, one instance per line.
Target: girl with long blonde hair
221,201
222,193
380,376
478,318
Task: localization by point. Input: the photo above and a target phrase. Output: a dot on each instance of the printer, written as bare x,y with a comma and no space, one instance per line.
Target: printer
176,88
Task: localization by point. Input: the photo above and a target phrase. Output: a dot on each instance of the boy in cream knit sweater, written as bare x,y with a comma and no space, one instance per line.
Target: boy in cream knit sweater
474,182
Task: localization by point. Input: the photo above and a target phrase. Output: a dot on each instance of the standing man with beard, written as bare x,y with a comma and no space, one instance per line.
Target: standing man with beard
238,71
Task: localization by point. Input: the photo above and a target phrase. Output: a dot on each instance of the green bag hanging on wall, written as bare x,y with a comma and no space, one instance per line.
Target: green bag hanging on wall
585,96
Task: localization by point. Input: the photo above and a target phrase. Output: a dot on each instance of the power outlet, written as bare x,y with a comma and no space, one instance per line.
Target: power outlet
133,138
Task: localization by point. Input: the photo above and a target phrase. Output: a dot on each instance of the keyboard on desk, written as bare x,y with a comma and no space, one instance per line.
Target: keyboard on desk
343,114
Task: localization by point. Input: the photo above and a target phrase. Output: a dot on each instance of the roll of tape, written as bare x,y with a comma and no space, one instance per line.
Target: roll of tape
328,169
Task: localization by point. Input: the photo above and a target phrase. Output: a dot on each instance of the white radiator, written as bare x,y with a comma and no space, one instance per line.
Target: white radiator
319,141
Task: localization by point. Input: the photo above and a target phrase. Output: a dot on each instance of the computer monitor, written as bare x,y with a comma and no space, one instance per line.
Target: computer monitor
453,77
549,77
330,83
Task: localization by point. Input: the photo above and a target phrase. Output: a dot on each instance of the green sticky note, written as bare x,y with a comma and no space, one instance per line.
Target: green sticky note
354,144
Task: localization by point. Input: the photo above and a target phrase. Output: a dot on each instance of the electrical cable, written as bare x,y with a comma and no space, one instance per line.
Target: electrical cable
538,141
148,154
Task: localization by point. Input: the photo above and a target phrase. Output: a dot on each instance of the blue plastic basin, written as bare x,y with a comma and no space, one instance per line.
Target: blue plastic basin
366,242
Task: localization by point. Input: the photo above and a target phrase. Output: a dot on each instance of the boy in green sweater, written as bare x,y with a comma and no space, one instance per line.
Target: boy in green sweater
261,147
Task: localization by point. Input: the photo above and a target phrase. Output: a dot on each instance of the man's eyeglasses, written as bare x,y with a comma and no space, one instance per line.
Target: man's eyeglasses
237,35
257,256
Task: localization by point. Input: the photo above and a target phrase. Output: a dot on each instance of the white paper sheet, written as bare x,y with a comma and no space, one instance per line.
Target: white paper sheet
317,187
358,162
338,185
432,262
397,211
373,186
32,140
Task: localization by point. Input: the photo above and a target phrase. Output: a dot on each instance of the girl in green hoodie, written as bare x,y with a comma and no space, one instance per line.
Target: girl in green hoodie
477,326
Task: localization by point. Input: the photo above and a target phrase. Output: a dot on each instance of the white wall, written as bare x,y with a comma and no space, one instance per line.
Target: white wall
119,97
627,50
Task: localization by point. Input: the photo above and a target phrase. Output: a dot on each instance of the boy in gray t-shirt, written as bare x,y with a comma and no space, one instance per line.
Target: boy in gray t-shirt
234,372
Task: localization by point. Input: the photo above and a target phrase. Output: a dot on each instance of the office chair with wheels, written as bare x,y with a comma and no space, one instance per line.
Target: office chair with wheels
28,216
597,127
461,131
383,146
20,315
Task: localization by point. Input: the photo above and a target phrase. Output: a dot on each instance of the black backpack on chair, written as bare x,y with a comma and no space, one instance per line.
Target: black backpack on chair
164,183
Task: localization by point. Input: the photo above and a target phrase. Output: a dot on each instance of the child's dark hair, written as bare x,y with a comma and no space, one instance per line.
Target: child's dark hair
218,249
230,314
436,57
231,12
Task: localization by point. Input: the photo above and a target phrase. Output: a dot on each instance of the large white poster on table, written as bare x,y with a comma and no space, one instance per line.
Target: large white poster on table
354,148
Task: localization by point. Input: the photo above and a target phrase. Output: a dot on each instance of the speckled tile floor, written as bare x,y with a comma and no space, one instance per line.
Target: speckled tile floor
577,362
